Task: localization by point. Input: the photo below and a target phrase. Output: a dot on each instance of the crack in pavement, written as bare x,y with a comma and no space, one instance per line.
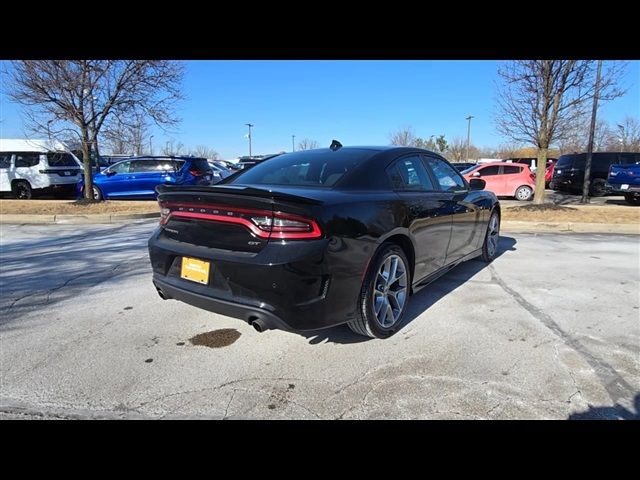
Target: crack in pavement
102,276
617,387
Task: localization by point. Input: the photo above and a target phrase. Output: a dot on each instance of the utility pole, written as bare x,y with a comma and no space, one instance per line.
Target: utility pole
249,125
468,135
293,143
150,145
587,167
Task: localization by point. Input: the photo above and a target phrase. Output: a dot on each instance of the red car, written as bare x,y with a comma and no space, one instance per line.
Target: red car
548,174
505,179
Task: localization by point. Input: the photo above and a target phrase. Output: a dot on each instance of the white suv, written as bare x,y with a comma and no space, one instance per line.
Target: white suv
28,165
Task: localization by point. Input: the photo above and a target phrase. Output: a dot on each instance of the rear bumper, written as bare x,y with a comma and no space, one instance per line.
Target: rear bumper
233,309
617,188
305,285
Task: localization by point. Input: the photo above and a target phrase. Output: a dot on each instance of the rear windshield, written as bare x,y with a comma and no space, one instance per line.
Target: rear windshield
58,159
314,168
200,164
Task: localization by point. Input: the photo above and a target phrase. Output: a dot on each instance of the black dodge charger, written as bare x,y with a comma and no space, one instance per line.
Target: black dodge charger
318,238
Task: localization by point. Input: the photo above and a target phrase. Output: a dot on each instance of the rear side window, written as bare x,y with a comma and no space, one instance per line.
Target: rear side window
447,176
146,166
60,159
26,160
5,160
509,170
409,173
316,168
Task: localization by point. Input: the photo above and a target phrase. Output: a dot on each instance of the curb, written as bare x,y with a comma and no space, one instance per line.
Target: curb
73,219
514,226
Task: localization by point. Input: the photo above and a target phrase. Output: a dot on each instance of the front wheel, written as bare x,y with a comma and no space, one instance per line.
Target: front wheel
523,193
492,238
384,295
632,198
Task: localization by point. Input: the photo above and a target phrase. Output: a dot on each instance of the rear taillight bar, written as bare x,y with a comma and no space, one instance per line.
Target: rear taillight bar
262,223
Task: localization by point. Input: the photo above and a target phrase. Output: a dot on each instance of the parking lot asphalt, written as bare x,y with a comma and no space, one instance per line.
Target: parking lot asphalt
551,329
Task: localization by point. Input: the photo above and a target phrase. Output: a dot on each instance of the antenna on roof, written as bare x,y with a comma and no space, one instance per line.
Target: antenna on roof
335,145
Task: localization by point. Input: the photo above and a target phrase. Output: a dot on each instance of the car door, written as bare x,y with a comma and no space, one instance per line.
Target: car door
5,168
511,179
466,216
428,222
115,182
491,175
146,175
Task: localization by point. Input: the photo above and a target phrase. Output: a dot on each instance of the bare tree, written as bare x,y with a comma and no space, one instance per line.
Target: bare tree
626,136
81,96
173,149
204,152
508,150
539,101
404,137
307,144
126,135
457,149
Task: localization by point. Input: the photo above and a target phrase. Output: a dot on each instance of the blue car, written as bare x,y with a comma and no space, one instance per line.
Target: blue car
138,177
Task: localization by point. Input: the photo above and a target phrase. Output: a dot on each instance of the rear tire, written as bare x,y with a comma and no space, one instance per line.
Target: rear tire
385,294
523,193
598,188
491,238
632,198
22,190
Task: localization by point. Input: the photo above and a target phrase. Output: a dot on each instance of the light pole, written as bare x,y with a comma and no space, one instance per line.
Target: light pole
622,142
150,145
249,125
468,135
293,143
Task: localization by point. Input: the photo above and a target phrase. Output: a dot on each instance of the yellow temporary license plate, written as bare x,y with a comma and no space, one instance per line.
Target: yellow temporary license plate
195,270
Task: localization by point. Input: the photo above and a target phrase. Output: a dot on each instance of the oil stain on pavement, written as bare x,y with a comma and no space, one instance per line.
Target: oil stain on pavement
216,338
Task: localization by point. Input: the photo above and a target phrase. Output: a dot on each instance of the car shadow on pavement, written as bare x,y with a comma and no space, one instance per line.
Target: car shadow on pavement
39,273
614,412
420,301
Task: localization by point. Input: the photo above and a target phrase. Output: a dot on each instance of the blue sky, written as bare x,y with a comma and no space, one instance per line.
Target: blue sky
356,102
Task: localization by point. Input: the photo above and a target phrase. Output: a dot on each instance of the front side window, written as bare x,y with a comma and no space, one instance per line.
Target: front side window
448,178
489,171
27,160
122,167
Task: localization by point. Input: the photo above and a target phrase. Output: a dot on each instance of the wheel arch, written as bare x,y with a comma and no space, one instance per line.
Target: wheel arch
405,243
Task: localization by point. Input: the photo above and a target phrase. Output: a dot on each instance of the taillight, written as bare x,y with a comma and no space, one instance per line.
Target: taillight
262,223
285,226
164,213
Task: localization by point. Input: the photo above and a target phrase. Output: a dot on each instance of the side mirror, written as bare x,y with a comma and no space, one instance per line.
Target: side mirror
476,174
477,184
110,173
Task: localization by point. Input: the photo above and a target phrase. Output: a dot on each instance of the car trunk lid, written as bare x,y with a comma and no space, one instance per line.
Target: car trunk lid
235,218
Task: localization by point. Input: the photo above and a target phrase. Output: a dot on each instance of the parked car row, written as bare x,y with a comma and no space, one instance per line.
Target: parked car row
42,166
570,170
